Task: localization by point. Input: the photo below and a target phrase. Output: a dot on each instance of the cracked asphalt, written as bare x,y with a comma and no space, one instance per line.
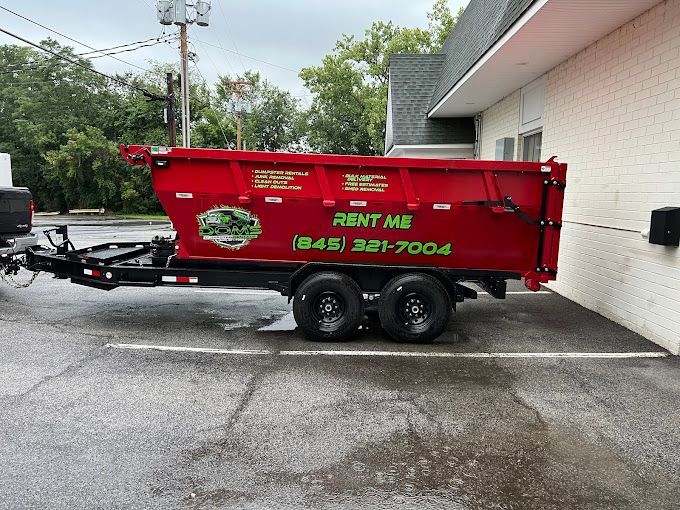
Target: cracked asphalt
87,426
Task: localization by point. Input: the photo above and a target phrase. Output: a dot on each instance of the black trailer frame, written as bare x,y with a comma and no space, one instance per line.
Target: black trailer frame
112,265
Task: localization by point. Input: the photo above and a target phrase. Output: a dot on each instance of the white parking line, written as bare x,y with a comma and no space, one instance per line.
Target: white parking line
395,354
407,354
205,350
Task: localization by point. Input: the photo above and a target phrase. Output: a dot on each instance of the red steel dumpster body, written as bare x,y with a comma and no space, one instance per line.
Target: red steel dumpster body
281,207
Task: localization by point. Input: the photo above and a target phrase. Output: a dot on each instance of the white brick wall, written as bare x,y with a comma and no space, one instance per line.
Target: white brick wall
612,112
499,121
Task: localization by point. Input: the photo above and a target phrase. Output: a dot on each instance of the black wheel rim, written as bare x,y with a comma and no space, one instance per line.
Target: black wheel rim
329,308
414,309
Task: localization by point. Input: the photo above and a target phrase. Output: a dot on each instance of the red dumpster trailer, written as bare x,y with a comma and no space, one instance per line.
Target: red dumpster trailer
339,235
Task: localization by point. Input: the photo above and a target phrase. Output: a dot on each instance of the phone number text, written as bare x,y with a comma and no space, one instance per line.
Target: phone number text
340,244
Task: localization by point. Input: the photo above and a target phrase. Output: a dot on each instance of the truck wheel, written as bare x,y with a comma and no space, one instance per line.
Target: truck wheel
414,308
328,307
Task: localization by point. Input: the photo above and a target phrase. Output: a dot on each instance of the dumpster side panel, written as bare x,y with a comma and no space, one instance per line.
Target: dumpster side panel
229,205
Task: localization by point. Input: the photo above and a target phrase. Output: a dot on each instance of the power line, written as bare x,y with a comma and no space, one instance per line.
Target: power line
249,57
226,58
69,38
150,4
48,61
212,62
17,83
226,141
148,94
29,66
155,40
126,50
233,41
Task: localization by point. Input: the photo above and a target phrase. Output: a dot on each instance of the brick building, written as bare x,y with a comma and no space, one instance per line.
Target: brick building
595,82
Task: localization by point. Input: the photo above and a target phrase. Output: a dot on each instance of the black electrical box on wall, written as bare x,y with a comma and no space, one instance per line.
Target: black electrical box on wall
665,229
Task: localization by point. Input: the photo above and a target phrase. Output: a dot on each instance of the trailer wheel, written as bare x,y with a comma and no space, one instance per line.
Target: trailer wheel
414,308
328,307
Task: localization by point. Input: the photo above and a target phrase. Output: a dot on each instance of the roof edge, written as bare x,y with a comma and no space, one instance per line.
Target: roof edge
522,20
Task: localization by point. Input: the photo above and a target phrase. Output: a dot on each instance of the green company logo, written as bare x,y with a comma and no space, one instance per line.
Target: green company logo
229,227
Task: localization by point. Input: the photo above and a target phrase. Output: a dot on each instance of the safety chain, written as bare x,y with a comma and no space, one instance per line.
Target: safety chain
9,280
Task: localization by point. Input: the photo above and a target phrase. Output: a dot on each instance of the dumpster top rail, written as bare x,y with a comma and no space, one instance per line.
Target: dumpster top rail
144,154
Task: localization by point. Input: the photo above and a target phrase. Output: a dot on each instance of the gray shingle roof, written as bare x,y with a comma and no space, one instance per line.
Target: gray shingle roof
480,26
413,79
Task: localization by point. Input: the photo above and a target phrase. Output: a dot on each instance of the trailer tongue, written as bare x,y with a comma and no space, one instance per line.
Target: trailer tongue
338,233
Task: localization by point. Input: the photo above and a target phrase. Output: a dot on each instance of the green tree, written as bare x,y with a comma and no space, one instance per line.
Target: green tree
88,168
128,116
271,122
269,117
348,111
212,125
48,109
440,23
42,97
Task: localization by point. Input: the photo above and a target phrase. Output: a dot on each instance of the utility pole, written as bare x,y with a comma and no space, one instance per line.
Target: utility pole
238,88
186,110
172,116
175,11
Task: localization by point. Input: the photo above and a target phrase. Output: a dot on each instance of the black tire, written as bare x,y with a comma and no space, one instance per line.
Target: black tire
414,308
328,307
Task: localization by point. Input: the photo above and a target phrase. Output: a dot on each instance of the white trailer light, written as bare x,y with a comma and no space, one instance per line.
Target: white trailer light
179,279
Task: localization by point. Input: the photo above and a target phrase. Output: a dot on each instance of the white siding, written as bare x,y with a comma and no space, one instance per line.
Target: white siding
389,138
612,113
499,121
457,151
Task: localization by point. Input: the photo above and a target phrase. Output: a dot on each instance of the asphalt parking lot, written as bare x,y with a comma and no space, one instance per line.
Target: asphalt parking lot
185,398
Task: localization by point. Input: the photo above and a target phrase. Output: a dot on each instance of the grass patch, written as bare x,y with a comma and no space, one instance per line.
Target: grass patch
159,217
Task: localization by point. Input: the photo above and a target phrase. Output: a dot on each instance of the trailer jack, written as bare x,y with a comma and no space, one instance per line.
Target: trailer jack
62,247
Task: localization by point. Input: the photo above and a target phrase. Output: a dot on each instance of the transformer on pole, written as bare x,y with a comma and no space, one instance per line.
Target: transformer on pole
239,88
166,14
177,12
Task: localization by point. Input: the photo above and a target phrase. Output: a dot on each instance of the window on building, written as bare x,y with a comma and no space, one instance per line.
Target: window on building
531,106
531,144
531,120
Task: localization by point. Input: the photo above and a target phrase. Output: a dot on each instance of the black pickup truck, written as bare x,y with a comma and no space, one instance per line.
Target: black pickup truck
16,221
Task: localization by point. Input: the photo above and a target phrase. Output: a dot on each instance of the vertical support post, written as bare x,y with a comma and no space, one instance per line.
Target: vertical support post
493,193
412,202
172,116
238,121
327,196
243,193
186,112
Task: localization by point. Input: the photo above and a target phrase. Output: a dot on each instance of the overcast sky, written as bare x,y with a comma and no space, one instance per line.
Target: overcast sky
291,34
